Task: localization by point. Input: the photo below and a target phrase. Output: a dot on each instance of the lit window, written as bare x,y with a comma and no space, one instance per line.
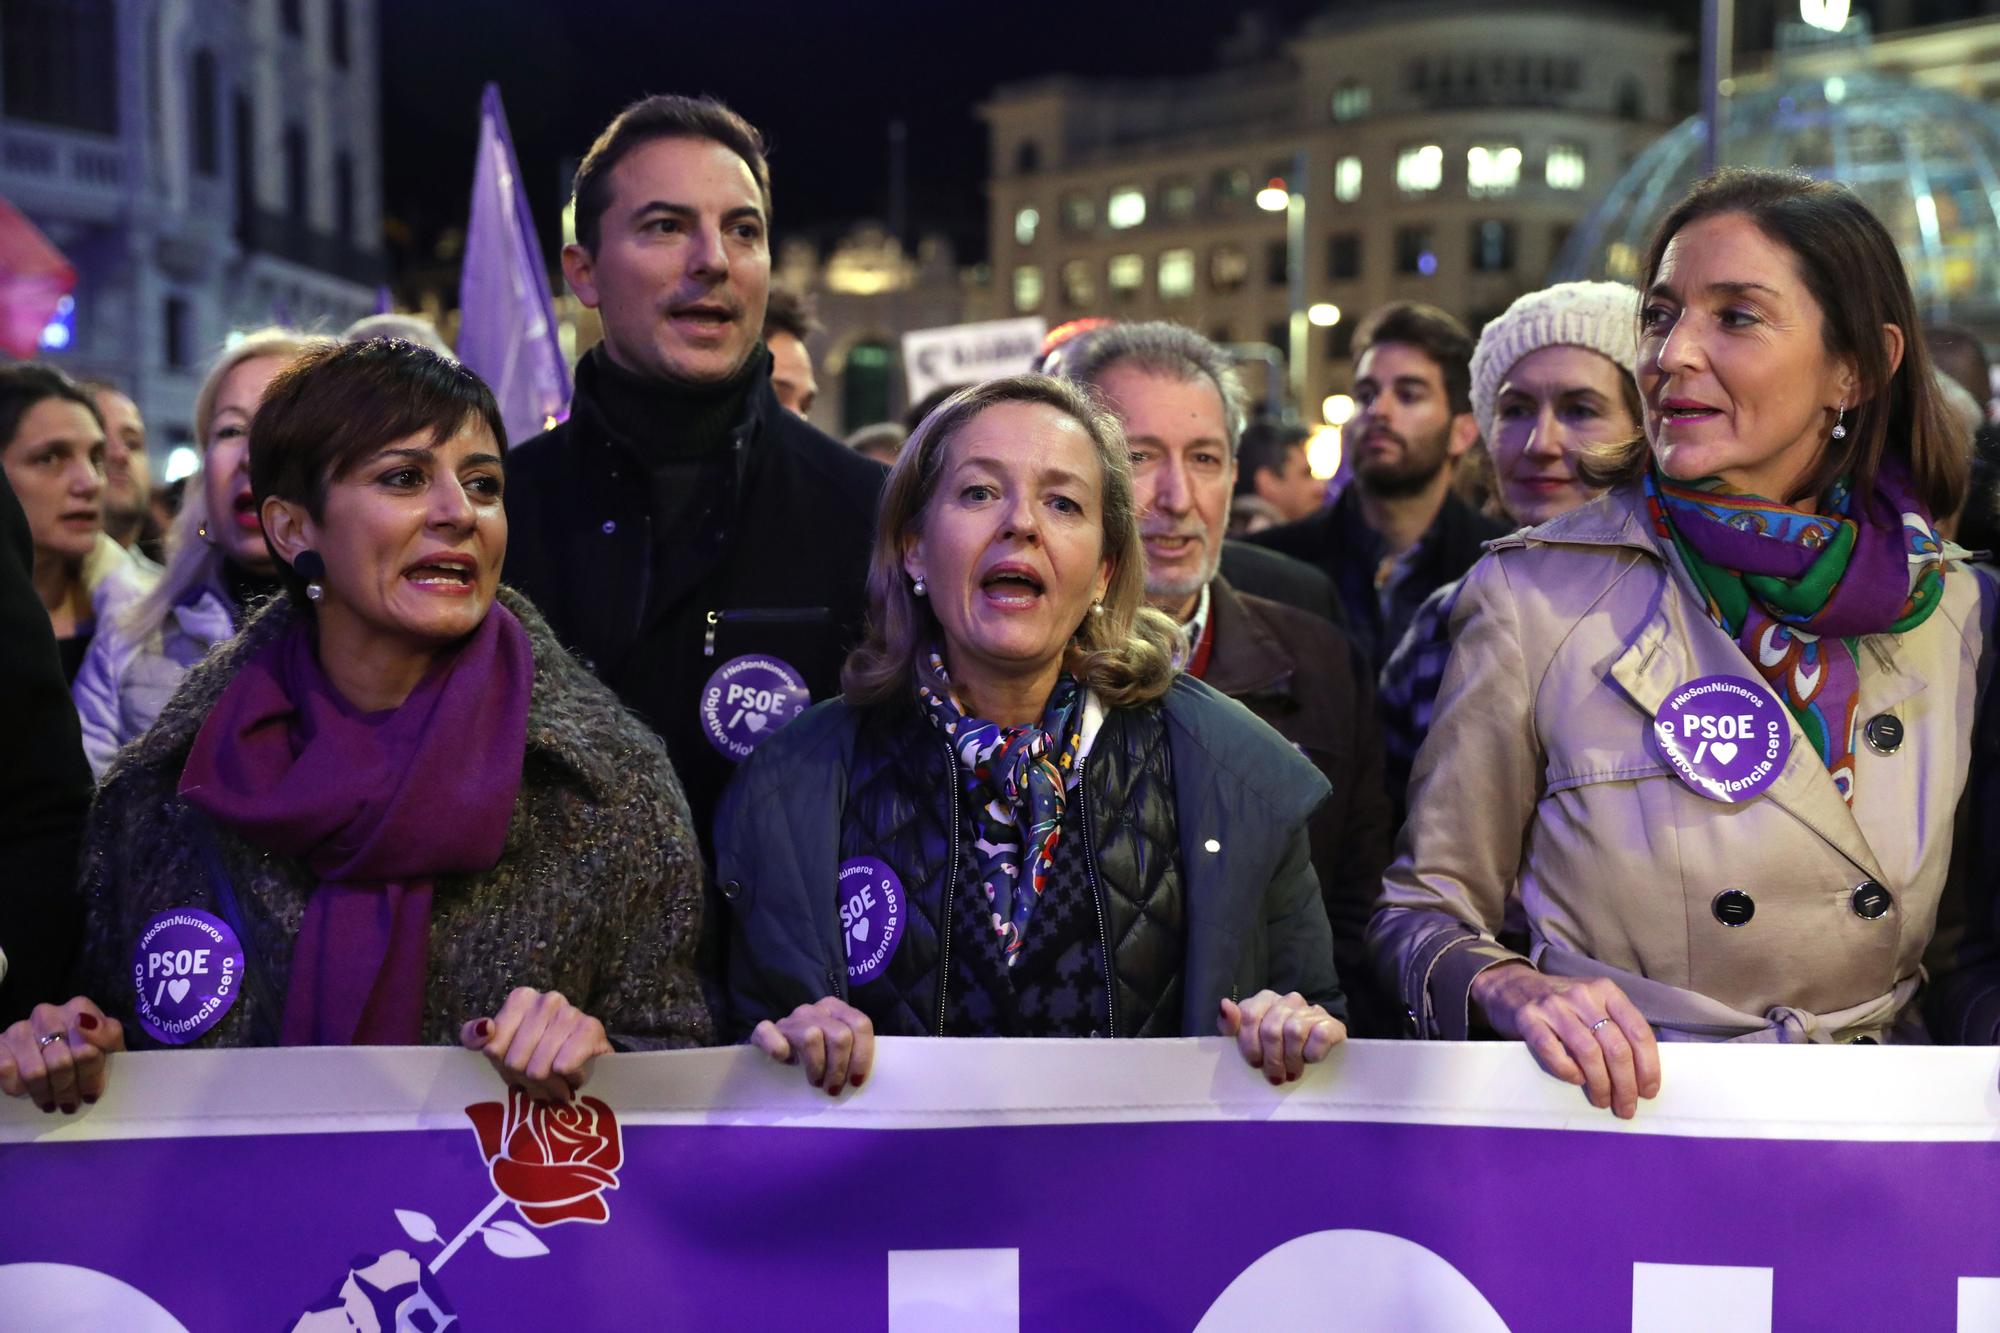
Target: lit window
1177,199
1176,275
1420,169
1027,287
1228,268
1079,283
1347,179
1491,169
1126,274
1565,169
1025,223
1350,101
1079,212
1232,185
1127,209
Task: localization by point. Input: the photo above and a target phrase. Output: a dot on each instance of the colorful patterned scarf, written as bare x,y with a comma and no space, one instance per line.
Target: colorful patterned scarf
1015,779
1796,590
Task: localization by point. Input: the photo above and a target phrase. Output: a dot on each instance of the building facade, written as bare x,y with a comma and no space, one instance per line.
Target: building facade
207,166
1441,152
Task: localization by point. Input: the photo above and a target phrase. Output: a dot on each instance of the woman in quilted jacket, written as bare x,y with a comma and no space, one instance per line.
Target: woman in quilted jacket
1019,820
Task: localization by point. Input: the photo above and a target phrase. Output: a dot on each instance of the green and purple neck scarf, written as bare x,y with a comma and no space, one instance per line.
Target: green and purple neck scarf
1795,590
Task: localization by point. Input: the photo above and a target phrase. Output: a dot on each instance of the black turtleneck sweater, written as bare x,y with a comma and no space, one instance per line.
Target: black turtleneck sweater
678,431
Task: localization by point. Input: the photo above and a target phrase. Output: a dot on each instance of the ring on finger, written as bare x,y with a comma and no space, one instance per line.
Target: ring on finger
1599,1023
48,1039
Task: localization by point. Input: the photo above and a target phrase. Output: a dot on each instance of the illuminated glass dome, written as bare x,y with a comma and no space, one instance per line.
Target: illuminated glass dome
1926,161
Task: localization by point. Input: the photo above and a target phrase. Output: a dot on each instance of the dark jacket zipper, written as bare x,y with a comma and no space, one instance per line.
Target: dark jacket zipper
715,619
945,923
1097,901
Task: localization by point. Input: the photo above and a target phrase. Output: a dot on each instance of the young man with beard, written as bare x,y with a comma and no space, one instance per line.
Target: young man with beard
1398,533
128,479
1181,404
704,550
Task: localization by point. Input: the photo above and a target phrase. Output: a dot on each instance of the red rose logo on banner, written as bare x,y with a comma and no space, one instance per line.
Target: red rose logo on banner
552,1162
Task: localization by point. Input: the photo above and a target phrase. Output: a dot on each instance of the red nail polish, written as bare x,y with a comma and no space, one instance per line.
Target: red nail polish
485,1029
89,1100
88,1022
69,1108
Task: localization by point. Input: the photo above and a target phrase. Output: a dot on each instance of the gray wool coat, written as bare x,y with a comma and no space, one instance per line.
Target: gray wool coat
597,895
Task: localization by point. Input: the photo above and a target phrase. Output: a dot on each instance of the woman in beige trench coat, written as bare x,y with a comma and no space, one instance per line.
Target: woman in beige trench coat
1716,823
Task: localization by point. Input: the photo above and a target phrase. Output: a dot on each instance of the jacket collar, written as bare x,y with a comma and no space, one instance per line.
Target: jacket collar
1677,643
1246,659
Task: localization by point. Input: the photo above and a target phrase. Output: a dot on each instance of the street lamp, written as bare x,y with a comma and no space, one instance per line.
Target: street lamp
1274,197
1826,15
1338,409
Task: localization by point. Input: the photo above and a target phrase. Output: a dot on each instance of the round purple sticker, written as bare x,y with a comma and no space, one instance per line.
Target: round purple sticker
188,971
1725,736
747,699
871,916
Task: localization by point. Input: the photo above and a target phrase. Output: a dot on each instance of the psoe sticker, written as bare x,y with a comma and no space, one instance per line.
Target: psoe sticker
1724,736
747,699
187,971
872,908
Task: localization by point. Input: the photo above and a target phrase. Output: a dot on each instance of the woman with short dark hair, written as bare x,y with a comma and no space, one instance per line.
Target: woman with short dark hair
1020,820
393,810
1707,734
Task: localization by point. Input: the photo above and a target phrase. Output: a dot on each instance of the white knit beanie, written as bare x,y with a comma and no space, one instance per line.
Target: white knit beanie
1601,317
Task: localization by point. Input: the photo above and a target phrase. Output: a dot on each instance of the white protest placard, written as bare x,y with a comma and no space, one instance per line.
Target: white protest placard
969,353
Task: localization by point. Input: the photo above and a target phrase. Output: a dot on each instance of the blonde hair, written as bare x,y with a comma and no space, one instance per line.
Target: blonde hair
1125,654
192,560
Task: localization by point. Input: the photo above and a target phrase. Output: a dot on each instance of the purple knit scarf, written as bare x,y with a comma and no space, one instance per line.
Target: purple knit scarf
378,805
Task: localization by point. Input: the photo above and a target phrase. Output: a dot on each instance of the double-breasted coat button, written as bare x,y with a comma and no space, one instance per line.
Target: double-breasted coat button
1733,907
1884,732
733,890
1871,900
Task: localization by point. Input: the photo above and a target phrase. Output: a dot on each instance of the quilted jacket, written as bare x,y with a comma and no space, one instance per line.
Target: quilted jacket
1195,825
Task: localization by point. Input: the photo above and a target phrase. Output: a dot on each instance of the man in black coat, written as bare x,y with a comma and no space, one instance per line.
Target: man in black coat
45,787
1181,405
702,549
1398,533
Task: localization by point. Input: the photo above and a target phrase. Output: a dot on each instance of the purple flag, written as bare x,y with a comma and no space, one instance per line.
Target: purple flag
507,323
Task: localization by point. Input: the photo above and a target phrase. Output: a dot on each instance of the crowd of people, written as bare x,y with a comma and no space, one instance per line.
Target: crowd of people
1090,715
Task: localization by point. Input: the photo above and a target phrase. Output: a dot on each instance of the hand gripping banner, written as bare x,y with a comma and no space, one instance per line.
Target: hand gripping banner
975,1185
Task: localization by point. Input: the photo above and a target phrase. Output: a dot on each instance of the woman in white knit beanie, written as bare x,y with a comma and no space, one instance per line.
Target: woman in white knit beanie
1550,378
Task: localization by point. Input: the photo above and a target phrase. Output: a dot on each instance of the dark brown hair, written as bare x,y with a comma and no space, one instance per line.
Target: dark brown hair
664,116
1431,331
787,311
1851,267
336,405
26,384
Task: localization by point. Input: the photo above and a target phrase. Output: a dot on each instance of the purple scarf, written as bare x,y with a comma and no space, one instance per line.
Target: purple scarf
378,805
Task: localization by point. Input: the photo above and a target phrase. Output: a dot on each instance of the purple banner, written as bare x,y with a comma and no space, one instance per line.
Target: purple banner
734,1200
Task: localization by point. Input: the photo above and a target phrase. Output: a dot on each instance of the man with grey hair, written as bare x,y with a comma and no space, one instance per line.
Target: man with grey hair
1182,406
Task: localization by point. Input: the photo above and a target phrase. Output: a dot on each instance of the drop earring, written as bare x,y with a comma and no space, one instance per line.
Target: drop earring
309,566
1840,422
918,586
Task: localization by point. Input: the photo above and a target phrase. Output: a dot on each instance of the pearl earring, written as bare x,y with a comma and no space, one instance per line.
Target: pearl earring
918,586
309,566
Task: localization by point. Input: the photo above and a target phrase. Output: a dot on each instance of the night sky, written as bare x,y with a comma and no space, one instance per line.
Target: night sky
822,81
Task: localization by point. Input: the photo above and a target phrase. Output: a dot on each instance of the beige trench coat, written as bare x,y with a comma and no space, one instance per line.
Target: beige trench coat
1540,777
